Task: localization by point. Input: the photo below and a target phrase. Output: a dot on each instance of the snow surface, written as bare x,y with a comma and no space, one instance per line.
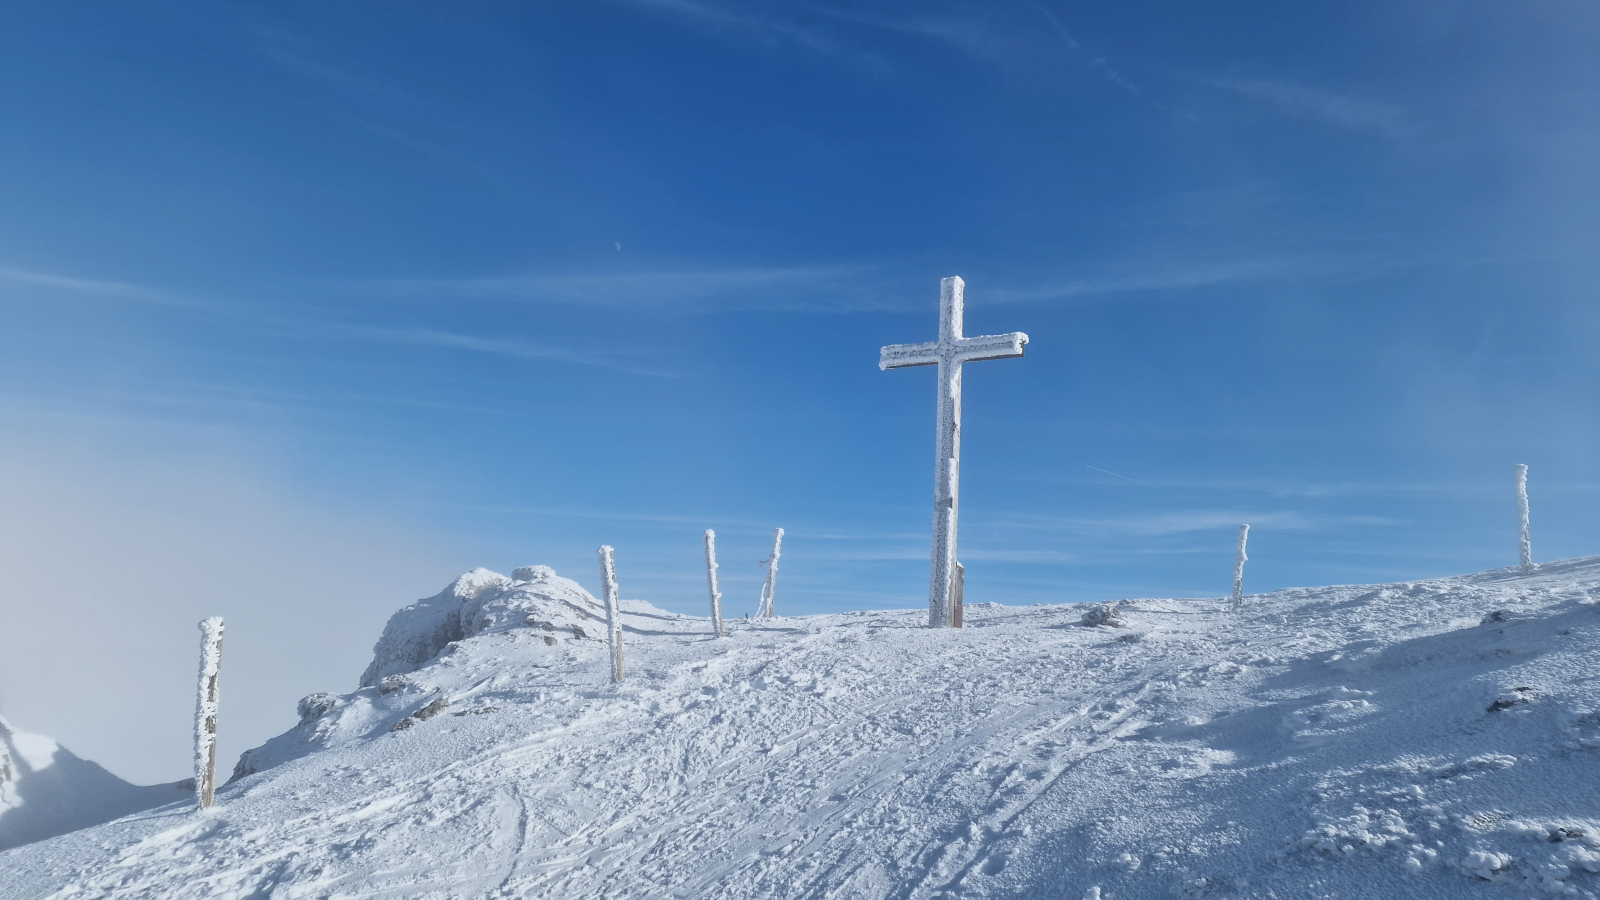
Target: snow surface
46,791
1424,739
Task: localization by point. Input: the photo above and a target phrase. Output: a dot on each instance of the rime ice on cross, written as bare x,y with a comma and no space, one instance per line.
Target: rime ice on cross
948,352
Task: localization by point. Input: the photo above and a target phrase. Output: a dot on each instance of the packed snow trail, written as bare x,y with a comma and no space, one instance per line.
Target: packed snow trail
1426,739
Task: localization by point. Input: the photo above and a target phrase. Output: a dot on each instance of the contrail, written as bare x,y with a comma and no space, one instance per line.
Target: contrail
1123,477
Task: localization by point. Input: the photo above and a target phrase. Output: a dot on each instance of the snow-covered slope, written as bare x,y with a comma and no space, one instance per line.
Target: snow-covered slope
1428,739
46,791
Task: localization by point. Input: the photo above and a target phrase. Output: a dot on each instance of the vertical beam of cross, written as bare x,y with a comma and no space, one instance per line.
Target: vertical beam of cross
949,353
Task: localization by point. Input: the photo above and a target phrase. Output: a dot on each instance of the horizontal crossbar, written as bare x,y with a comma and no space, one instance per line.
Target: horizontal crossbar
990,346
973,349
899,356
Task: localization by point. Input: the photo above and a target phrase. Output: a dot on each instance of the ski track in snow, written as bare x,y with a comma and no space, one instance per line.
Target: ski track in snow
1425,739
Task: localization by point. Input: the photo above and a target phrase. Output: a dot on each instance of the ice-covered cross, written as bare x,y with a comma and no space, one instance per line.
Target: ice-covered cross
948,352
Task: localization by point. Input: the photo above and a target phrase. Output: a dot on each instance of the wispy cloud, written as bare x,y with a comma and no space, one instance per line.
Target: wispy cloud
840,287
1173,522
276,320
116,290
1279,489
1107,472
302,401
723,523
850,287
820,288
1320,104
977,31
334,77
973,34
429,337
766,23
1175,276
1098,62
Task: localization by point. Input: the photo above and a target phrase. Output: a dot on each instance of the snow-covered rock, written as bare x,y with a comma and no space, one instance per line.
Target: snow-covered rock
418,632
550,609
482,602
1103,614
1429,739
45,790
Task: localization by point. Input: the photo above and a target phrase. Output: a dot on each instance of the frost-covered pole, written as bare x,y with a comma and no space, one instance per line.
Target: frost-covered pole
205,712
769,588
1524,543
1239,559
958,600
608,581
711,580
949,352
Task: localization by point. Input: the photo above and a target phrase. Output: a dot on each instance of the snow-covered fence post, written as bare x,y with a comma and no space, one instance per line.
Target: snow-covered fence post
1239,560
205,712
1524,543
711,580
764,606
958,596
608,581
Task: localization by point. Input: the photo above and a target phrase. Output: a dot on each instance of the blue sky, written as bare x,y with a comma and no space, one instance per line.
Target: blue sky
307,307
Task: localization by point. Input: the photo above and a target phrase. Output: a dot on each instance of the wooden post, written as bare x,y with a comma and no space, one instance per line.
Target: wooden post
958,596
205,713
1524,545
1239,559
711,580
608,580
769,588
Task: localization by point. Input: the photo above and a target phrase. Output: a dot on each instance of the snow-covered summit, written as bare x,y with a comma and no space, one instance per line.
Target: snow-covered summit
535,601
1428,739
482,602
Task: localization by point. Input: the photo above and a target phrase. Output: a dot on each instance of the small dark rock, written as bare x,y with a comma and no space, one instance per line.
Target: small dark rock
439,705
313,706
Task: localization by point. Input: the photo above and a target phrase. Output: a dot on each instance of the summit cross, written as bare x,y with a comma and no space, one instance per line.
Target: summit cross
948,353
